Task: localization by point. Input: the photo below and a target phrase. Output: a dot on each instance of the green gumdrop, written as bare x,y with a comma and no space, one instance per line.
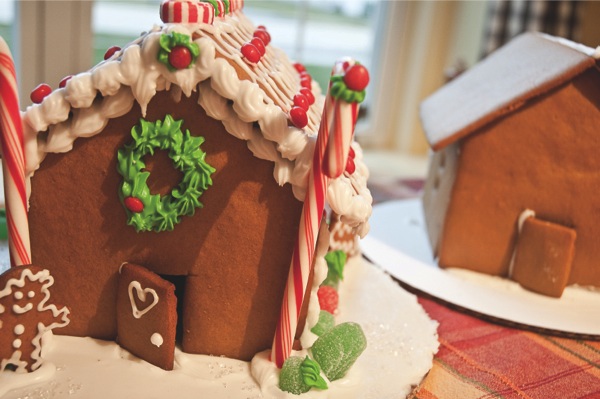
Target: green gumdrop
326,322
337,350
290,378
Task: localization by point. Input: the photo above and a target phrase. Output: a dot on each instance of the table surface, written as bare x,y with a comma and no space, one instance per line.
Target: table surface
480,359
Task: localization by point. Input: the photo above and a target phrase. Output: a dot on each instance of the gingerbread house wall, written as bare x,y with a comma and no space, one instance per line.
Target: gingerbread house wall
238,247
542,157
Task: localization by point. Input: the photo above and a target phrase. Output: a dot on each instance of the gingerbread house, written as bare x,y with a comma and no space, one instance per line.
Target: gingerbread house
515,133
172,176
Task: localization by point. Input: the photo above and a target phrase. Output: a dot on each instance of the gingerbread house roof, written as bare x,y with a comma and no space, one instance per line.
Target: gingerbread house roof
252,100
529,65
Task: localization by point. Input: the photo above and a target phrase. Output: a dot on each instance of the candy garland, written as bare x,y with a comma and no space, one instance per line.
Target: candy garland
312,212
13,161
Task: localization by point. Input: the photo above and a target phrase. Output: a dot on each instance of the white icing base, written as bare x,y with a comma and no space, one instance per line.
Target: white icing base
401,343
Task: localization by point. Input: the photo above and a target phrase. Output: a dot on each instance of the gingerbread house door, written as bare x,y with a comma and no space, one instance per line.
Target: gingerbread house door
146,315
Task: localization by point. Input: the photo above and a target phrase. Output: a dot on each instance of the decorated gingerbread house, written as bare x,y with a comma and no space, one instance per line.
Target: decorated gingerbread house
166,185
511,189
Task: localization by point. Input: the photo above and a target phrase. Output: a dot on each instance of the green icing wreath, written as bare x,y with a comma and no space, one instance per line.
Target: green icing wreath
147,211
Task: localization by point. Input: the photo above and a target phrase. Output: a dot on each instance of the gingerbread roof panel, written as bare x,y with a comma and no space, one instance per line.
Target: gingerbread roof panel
528,66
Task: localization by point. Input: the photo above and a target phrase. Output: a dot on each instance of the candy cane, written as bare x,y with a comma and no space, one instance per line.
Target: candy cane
310,219
13,161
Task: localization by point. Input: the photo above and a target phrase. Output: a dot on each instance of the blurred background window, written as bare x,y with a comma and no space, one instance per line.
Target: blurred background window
410,47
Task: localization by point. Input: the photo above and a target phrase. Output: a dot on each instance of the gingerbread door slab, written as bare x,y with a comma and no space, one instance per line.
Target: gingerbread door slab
146,315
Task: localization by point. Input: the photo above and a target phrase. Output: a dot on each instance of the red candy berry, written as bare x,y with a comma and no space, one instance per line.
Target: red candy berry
134,204
328,298
109,53
299,67
350,166
263,35
180,57
260,46
251,53
308,94
301,101
299,117
357,77
351,153
64,81
40,92
305,80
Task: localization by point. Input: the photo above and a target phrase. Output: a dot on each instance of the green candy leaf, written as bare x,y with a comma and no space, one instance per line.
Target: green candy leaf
311,374
326,322
337,350
336,261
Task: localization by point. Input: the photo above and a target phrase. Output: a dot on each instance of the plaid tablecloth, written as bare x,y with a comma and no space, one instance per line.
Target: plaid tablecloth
478,359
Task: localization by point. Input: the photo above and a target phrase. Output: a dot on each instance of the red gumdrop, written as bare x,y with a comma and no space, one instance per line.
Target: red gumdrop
111,51
328,298
299,67
308,94
263,35
260,46
298,117
64,81
357,77
134,204
180,57
251,53
350,166
301,101
40,92
351,153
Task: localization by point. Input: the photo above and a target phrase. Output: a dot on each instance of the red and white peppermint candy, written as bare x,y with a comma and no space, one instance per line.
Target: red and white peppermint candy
235,5
187,12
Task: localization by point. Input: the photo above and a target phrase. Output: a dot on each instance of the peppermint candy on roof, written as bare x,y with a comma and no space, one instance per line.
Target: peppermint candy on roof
187,12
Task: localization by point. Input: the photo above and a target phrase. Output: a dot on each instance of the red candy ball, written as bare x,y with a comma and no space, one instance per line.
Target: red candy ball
260,46
298,117
357,77
64,81
263,35
305,80
299,67
308,94
350,166
301,101
40,92
180,57
351,153
251,53
111,51
134,204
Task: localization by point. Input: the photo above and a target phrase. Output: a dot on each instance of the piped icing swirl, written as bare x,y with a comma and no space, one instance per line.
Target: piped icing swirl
251,100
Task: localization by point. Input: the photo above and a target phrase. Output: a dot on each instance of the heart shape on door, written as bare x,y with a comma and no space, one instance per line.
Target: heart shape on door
142,294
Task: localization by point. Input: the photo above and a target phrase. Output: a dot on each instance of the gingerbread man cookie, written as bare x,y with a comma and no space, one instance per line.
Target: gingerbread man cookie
26,313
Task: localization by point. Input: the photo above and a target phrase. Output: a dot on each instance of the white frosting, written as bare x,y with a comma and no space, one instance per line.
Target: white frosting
19,329
142,294
156,339
401,343
83,107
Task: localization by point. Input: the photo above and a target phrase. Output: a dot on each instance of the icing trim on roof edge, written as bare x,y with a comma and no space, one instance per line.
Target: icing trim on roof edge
133,74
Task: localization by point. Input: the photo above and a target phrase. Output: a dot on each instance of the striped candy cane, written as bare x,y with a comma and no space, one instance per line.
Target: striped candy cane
13,161
314,203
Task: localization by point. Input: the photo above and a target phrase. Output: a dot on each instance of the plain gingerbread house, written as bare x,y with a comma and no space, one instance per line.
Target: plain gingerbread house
517,131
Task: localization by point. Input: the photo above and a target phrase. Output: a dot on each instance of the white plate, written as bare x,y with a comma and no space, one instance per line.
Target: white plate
398,242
